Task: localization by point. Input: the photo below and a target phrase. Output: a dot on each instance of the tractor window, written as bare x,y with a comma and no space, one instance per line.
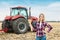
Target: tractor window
14,12
21,11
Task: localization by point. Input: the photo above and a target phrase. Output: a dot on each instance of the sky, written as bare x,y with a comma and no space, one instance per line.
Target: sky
50,8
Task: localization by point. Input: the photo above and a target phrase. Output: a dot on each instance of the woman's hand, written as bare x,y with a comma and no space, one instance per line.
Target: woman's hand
46,30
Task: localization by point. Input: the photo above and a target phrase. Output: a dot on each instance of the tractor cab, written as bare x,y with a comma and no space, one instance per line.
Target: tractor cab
19,11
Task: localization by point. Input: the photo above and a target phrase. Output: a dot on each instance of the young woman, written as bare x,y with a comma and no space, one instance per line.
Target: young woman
40,28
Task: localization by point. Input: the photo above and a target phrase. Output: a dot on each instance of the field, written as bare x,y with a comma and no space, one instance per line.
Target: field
53,35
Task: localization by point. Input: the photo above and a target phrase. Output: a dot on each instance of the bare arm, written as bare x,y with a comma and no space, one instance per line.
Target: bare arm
31,27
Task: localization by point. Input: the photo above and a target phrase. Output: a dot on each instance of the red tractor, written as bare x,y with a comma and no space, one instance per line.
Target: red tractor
18,20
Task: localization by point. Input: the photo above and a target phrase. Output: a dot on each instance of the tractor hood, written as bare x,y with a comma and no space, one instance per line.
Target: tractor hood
8,17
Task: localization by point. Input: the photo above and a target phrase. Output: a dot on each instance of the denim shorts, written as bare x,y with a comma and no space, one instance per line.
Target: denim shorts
41,38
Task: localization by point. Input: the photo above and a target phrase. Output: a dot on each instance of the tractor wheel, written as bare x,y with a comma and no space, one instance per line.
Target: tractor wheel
3,24
6,27
34,24
20,25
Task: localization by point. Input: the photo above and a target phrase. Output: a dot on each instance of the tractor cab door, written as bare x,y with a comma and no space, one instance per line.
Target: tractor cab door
19,11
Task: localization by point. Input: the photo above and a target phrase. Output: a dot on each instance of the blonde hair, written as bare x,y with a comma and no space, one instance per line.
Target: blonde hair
43,16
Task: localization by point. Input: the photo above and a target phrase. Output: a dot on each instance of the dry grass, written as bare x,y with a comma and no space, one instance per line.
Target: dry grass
53,35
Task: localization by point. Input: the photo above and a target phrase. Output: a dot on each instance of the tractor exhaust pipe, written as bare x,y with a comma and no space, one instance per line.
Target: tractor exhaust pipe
29,12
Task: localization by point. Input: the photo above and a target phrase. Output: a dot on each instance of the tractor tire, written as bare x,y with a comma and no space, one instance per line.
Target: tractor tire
20,26
5,24
34,24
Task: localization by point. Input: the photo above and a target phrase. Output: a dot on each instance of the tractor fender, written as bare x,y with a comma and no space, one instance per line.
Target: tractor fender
8,17
33,18
16,17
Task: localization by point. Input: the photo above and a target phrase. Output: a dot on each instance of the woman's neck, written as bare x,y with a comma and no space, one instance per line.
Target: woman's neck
41,21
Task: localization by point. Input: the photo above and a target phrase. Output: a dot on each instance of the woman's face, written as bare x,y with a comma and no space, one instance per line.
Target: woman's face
41,17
